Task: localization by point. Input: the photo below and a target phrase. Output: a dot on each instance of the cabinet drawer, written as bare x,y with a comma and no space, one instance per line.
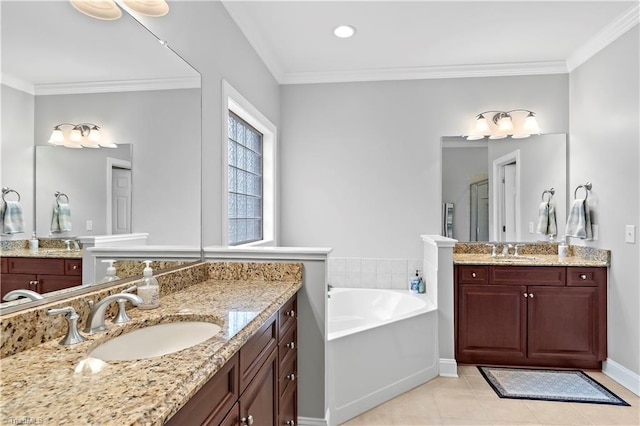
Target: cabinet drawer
586,277
288,410
472,274
73,266
48,283
287,314
12,282
257,350
288,375
527,275
4,265
212,402
25,265
288,345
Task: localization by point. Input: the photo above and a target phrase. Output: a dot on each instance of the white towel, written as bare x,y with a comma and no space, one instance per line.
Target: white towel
579,220
61,219
547,219
11,215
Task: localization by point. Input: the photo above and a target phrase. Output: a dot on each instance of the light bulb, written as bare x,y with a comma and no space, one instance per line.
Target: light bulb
344,31
57,138
475,137
76,134
94,134
531,124
481,124
505,123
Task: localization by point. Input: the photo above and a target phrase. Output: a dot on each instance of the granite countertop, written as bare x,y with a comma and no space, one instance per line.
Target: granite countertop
41,385
53,253
526,260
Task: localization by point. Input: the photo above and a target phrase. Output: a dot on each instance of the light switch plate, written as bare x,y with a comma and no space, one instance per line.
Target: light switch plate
630,234
89,225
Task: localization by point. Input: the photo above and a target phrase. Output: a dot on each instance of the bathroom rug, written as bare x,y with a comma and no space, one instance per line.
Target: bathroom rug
548,385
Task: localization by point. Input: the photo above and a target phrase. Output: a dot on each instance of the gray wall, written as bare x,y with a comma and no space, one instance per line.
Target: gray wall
164,128
361,161
16,152
204,34
604,149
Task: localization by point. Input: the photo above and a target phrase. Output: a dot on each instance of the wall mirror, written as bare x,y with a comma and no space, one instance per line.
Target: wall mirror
60,66
474,176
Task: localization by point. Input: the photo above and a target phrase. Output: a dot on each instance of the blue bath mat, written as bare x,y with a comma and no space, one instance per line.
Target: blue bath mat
548,385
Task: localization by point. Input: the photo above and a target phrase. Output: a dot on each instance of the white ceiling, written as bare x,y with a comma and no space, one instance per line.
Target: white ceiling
49,47
427,39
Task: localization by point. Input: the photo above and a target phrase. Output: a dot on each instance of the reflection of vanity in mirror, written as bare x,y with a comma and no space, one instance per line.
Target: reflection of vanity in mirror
476,176
141,94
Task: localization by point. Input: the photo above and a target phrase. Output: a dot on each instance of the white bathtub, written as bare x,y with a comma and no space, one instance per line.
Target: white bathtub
381,343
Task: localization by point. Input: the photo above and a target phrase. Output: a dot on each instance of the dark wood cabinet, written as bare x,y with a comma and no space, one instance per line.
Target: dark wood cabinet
257,386
41,275
523,315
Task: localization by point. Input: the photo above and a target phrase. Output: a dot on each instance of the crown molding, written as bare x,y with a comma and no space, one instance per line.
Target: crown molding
603,38
17,83
415,73
117,86
247,26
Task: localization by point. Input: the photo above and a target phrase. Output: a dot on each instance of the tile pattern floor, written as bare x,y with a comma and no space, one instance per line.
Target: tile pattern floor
468,400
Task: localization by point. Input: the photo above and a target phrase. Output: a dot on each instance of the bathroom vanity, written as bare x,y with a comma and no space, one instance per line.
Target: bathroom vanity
537,312
41,274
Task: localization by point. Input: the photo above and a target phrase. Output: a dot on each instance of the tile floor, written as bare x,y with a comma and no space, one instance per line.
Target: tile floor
468,400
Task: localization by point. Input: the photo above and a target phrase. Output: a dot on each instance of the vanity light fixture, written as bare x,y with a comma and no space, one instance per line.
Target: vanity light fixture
83,135
517,123
344,31
111,9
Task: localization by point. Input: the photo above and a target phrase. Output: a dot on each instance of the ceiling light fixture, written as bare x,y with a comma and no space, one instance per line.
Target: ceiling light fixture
517,123
344,31
109,10
83,135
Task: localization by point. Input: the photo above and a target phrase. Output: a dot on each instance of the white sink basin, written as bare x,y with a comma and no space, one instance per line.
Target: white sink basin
155,341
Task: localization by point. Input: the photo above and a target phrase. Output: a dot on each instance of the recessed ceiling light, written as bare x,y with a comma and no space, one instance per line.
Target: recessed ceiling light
344,31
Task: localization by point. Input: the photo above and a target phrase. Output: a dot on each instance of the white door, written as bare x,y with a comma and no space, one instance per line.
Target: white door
510,197
120,201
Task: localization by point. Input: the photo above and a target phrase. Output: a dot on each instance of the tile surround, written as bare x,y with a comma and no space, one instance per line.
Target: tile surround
372,272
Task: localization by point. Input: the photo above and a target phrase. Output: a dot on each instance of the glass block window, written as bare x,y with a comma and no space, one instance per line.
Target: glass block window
245,182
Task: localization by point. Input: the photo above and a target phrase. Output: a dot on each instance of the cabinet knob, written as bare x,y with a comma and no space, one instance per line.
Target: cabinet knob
33,283
583,276
290,423
526,295
531,295
290,313
291,377
473,274
74,267
247,420
291,345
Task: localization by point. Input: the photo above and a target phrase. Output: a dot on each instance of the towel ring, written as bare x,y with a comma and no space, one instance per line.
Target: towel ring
587,187
59,194
6,191
551,193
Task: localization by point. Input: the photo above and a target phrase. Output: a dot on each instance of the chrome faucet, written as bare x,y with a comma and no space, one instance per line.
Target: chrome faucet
21,292
95,319
76,246
505,249
71,316
515,250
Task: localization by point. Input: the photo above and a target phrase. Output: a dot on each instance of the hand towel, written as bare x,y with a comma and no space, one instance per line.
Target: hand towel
12,220
579,220
61,219
547,224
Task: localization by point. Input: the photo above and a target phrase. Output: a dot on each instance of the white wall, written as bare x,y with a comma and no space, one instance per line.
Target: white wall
164,128
204,34
604,149
16,152
361,161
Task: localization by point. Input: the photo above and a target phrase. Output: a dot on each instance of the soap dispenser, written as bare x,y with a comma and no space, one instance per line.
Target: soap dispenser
416,285
33,242
111,272
149,290
563,249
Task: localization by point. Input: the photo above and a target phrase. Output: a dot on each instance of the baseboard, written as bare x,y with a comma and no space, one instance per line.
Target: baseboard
622,375
448,367
311,421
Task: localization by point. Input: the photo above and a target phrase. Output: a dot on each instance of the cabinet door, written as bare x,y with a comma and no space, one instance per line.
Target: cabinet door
12,282
491,323
259,402
232,419
48,283
564,323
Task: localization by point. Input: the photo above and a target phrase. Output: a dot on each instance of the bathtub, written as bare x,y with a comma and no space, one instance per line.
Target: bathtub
381,343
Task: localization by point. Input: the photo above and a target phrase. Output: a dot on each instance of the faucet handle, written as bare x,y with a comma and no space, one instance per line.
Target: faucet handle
122,316
515,250
493,249
71,316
